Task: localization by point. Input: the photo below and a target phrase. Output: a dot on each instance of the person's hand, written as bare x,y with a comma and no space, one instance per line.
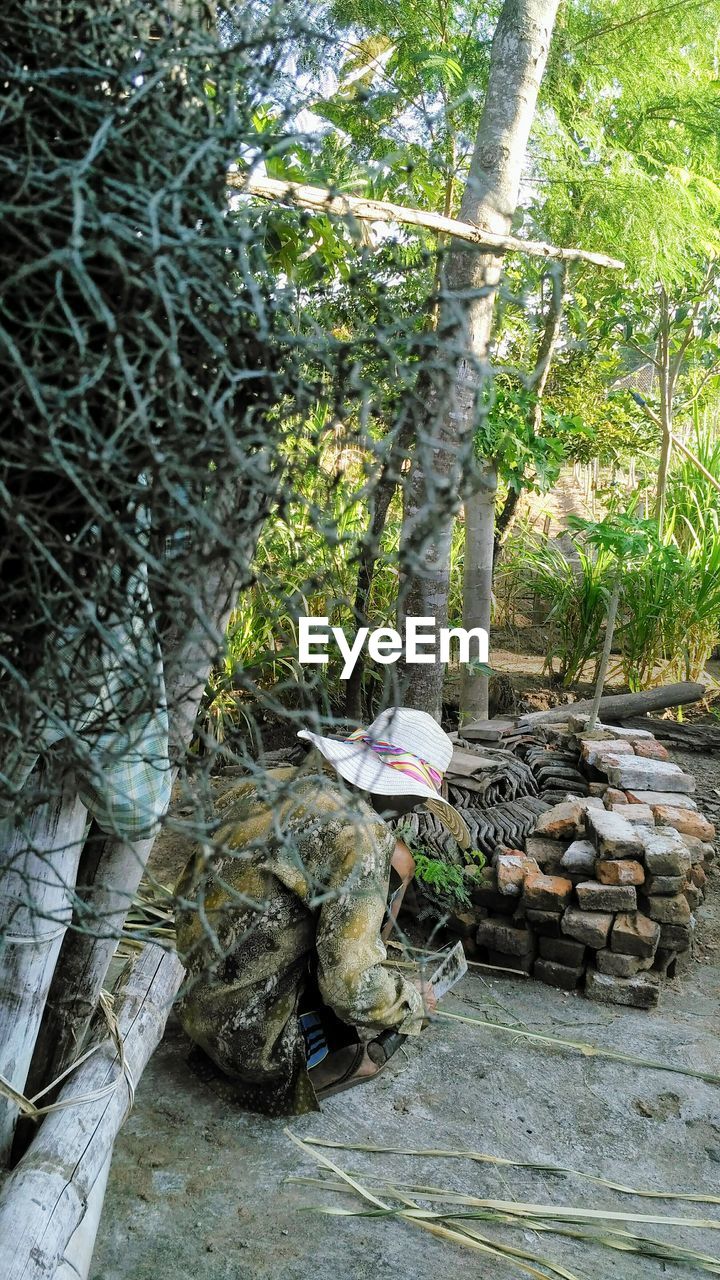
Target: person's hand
427,993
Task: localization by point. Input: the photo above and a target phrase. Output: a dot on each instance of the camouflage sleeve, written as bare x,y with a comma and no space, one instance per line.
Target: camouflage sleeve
350,952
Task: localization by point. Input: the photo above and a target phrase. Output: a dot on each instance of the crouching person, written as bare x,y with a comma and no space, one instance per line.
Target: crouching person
281,930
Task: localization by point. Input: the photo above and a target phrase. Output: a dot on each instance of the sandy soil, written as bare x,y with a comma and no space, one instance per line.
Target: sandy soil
199,1189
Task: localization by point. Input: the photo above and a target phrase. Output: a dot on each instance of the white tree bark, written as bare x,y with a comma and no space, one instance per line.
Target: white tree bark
519,52
38,866
44,1199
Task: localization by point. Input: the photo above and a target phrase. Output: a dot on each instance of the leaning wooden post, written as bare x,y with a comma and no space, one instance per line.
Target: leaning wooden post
44,1199
38,866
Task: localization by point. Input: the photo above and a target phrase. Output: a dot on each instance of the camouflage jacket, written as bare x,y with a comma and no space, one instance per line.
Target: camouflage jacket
295,889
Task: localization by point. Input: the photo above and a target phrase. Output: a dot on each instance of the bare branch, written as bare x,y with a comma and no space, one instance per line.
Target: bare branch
326,201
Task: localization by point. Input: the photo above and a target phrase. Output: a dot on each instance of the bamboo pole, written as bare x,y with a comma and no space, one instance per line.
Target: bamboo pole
44,1199
113,882
79,1250
38,865
327,201
86,954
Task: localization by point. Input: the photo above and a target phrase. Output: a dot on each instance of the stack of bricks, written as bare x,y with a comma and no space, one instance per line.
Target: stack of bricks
604,893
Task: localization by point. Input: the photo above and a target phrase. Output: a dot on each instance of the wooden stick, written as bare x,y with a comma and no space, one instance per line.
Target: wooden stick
44,1199
621,706
38,865
326,201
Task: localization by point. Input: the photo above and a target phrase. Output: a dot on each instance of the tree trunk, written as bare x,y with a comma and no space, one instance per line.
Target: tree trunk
38,866
444,450
666,414
538,382
390,478
605,656
44,1199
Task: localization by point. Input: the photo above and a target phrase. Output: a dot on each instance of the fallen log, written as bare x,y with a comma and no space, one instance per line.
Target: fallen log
38,865
691,737
620,706
44,1199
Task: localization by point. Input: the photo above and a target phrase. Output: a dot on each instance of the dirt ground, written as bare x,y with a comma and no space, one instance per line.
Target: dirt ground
200,1189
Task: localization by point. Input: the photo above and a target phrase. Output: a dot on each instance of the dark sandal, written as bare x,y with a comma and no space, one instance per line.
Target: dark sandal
379,1051
348,1079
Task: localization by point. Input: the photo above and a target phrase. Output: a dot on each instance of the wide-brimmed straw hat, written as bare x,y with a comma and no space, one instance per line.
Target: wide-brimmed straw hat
402,753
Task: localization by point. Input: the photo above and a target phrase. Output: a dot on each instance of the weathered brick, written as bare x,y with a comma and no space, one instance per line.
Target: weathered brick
482,887
547,893
558,975
635,935
676,937
687,821
579,722
699,850
593,751
579,858
545,923
620,871
519,964
698,877
511,870
666,853
547,853
641,795
640,815
620,965
674,910
590,927
593,896
651,750
693,896
562,950
565,821
634,773
463,924
641,991
612,836
614,796
498,935
659,886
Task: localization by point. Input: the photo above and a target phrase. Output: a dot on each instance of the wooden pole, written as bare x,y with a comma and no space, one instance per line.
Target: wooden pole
44,1199
332,202
38,865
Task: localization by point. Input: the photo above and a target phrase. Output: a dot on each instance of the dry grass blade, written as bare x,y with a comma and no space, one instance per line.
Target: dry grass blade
464,1236
588,1050
481,1157
609,1238
571,1213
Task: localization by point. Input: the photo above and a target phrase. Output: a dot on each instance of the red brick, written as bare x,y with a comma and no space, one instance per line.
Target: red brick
620,871
547,893
651,750
687,821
